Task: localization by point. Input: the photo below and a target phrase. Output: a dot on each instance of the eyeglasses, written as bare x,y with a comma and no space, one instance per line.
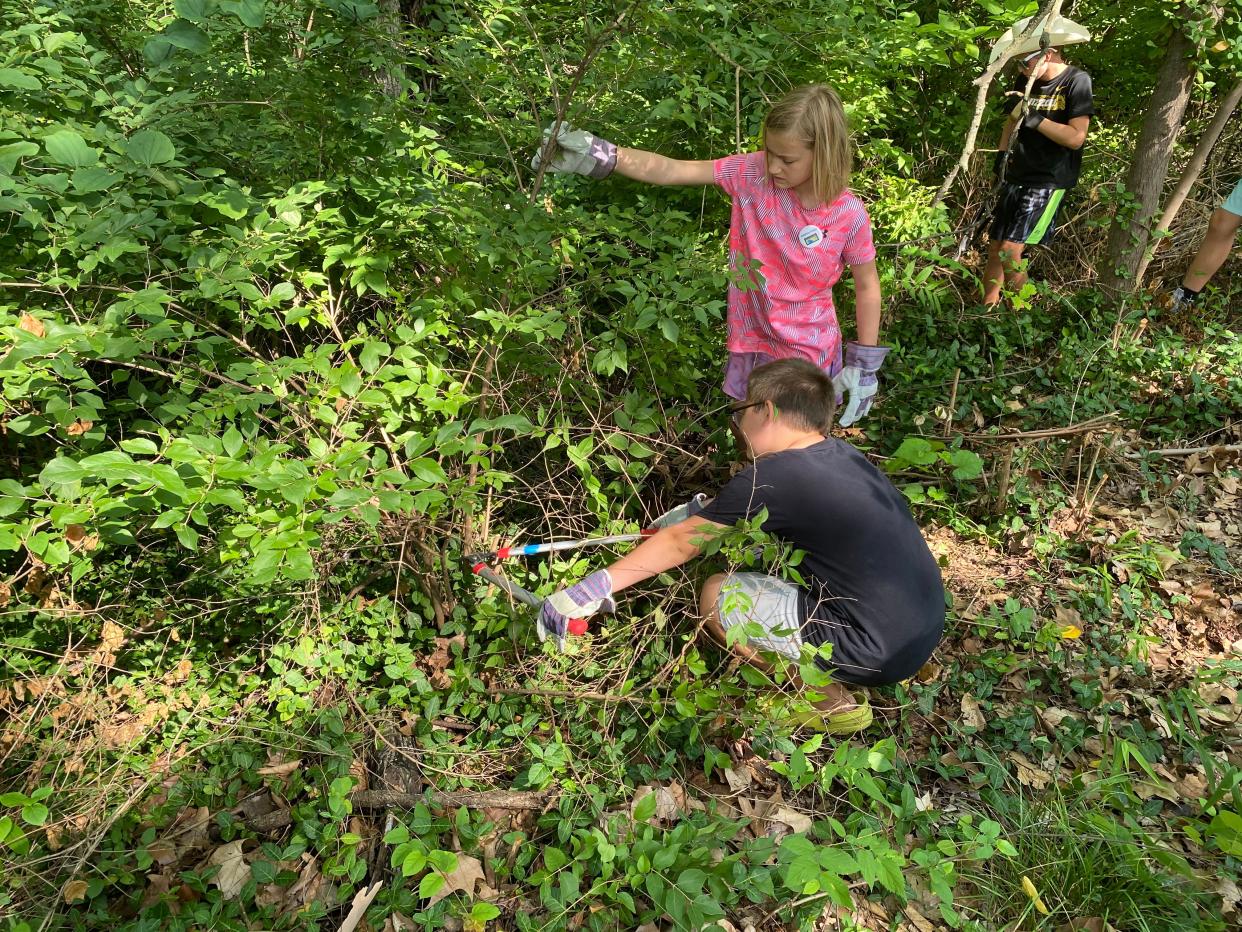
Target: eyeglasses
735,410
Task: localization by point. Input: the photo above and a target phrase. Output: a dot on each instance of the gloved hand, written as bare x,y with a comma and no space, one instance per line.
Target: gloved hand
681,512
859,379
1032,120
580,601
998,163
579,152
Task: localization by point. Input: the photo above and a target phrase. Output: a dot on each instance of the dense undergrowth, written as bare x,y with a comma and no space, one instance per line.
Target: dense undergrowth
280,347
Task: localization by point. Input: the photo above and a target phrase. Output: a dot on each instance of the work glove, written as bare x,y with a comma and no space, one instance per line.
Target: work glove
681,512
575,604
858,378
579,152
1032,120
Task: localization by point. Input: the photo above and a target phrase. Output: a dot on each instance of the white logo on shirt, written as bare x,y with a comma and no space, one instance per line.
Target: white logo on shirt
810,236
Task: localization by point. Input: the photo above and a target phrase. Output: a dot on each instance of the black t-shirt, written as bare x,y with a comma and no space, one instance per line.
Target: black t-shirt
1035,161
873,581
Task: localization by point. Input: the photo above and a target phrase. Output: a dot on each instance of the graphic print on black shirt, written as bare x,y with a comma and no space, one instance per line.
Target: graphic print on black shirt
876,592
1035,161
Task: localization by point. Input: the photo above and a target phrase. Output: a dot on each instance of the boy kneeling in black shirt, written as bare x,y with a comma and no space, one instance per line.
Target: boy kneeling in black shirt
874,590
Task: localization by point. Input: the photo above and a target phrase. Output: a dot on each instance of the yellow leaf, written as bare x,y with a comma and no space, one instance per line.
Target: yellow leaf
1029,889
1071,632
1220,46
75,891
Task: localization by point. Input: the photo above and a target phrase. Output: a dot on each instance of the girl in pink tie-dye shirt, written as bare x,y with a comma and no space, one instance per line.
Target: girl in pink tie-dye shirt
795,227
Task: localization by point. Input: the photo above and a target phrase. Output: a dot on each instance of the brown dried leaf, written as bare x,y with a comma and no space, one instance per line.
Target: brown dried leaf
1053,717
469,872
74,891
279,768
797,821
78,428
1028,774
233,872
163,852
972,715
158,889
667,805
1230,895
32,325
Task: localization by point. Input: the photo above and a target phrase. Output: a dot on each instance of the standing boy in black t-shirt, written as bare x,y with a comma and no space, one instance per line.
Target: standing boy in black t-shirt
1039,159
873,588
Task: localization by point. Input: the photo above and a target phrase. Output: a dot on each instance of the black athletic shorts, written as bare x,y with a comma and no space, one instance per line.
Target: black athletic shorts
1025,215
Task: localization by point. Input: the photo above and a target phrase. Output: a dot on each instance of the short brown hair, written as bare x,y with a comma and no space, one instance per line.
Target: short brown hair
801,392
815,115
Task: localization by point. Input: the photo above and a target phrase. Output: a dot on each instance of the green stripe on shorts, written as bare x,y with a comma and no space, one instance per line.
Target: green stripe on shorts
1045,219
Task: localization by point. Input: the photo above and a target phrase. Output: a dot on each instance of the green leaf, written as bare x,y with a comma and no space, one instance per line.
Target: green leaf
65,147
233,441
414,862
139,445
35,814
443,861
430,885
966,465
150,147
428,470
645,808
251,13
61,471
157,50
484,912
185,35
554,858
187,535
231,202
11,77
915,451
13,152
193,10
90,180
263,871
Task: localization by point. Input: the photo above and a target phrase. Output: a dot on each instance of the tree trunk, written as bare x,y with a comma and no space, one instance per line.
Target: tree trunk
1129,235
1195,166
392,17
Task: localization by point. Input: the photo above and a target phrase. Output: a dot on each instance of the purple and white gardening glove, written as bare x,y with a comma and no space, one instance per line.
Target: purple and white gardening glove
565,612
681,512
577,152
859,379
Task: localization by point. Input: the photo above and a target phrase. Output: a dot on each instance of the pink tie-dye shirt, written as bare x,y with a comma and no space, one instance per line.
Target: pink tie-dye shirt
780,290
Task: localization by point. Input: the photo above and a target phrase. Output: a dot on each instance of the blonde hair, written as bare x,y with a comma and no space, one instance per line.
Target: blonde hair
815,115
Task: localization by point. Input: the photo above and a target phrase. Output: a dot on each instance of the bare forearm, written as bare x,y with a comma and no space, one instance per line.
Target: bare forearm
1067,135
654,168
671,547
867,303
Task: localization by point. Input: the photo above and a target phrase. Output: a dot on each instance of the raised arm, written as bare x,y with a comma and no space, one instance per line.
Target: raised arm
584,153
660,169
